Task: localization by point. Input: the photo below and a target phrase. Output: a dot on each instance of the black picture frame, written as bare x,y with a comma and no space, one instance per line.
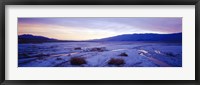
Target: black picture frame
98,2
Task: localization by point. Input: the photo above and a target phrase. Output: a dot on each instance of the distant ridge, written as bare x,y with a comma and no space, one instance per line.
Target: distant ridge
174,37
28,38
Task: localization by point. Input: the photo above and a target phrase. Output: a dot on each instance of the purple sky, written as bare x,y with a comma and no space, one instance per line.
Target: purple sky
92,28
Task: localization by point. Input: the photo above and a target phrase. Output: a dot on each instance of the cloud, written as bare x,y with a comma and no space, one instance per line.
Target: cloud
103,27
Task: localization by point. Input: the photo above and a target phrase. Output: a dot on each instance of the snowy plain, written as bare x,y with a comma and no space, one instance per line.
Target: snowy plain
100,54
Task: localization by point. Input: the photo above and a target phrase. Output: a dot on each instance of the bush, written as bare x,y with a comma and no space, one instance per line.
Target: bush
77,61
77,48
58,58
25,55
170,54
123,54
98,49
114,61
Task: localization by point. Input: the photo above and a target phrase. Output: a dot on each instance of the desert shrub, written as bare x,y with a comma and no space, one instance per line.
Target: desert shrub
123,54
114,61
24,55
170,54
53,46
99,49
77,61
77,48
58,58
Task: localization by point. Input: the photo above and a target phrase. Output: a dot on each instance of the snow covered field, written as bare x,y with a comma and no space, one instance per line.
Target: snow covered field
100,54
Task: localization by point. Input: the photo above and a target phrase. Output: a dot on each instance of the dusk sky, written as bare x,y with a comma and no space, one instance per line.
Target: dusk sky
96,28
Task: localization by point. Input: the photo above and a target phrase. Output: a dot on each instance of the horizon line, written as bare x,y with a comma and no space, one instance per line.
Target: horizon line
100,38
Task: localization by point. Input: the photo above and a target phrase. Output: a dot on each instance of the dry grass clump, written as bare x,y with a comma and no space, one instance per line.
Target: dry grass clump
123,54
115,61
58,58
100,49
77,61
170,54
77,48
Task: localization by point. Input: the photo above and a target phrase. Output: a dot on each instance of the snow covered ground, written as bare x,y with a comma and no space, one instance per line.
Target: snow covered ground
100,54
